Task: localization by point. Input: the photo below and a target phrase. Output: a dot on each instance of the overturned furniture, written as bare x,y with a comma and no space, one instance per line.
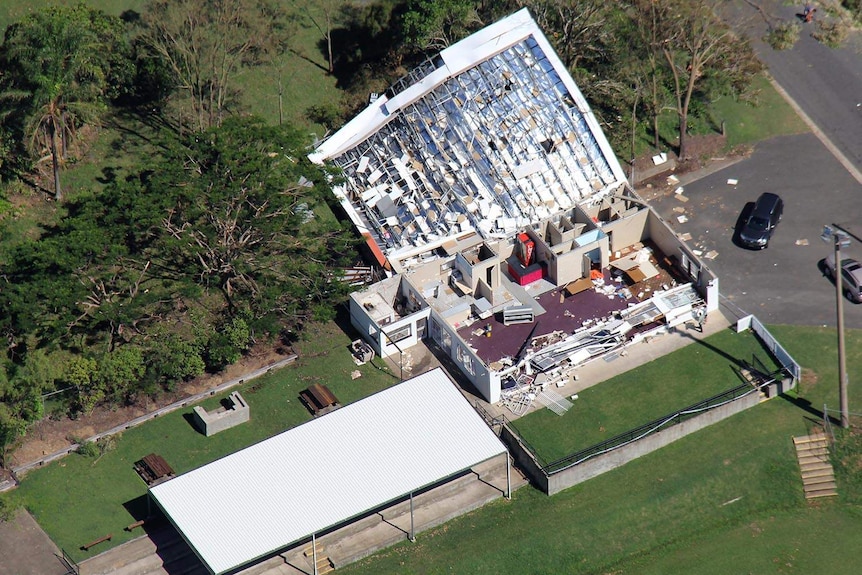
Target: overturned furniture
234,410
153,469
319,399
362,352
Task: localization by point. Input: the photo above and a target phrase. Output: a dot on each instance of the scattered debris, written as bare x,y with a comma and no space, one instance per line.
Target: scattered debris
802,242
711,255
659,159
679,210
679,190
681,219
683,199
732,181
355,374
685,237
672,180
698,253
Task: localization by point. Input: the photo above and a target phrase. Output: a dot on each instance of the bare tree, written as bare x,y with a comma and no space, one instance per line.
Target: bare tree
578,28
696,43
206,42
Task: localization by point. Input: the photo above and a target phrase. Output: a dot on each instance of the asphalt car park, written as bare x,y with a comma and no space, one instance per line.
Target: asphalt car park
783,284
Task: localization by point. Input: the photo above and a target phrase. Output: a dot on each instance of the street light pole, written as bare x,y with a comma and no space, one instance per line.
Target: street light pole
840,237
842,366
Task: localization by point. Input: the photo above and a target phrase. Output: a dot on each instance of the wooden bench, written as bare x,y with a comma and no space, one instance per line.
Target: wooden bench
135,525
319,399
107,537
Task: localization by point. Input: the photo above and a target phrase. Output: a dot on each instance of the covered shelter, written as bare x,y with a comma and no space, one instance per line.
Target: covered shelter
381,449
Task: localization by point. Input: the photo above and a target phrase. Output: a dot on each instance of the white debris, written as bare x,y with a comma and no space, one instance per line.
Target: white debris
681,219
672,180
659,159
802,242
732,181
679,190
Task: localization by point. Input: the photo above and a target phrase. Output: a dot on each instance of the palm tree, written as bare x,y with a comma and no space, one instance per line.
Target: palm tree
58,64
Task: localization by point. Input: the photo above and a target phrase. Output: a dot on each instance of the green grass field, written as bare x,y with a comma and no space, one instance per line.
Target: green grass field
659,388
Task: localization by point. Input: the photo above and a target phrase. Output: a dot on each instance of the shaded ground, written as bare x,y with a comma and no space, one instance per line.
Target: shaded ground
41,556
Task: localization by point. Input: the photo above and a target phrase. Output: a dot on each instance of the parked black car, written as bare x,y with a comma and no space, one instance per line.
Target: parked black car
760,224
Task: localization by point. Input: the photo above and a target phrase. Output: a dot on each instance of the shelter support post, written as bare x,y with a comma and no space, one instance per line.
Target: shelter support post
508,477
314,552
412,527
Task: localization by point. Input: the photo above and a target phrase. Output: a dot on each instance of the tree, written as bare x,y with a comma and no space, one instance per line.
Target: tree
578,29
206,42
62,63
698,46
21,389
322,14
432,25
238,221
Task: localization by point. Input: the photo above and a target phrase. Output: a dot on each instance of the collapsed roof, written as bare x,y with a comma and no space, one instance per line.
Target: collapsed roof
489,136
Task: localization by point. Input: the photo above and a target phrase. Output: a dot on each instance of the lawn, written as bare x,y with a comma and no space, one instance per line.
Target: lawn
659,388
79,499
727,499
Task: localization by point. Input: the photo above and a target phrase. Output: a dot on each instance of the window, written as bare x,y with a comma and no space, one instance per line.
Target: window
397,335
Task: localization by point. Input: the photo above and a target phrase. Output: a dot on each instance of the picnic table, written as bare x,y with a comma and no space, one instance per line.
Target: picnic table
154,469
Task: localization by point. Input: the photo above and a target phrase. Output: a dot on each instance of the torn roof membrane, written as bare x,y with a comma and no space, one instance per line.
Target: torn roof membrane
490,136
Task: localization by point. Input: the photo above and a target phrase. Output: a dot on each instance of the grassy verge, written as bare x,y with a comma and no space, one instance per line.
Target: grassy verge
659,388
746,124
79,499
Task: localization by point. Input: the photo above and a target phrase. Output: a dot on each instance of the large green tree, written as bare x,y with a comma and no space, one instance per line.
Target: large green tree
61,65
239,219
432,25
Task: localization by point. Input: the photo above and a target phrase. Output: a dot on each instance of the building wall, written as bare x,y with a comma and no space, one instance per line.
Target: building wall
666,239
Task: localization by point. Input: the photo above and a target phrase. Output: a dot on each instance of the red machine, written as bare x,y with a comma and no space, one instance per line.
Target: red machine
524,247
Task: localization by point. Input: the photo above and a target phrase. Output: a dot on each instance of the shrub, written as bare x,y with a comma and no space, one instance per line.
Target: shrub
783,36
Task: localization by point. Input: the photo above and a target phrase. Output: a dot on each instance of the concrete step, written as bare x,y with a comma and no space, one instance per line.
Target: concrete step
812,448
809,464
812,438
825,492
825,471
819,480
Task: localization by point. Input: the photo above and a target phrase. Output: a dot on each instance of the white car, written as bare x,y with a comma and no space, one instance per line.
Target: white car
851,277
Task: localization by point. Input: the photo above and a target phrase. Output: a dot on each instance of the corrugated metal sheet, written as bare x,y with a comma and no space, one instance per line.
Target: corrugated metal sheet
262,499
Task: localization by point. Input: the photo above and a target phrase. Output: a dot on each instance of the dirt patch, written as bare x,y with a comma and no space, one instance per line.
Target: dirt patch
48,436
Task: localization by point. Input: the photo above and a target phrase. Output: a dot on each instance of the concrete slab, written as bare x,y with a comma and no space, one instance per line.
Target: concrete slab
42,556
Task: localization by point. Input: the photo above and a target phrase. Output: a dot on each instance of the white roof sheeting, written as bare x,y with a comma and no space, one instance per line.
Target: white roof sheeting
494,120
256,501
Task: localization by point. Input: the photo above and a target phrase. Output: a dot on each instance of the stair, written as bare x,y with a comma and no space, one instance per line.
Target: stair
324,564
818,479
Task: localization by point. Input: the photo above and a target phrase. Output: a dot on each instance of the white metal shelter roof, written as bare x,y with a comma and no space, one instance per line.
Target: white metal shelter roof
256,501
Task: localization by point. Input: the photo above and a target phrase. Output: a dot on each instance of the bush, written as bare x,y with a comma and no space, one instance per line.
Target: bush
831,32
227,344
8,509
783,36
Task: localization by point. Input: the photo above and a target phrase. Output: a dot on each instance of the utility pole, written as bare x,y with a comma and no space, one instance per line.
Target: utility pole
840,238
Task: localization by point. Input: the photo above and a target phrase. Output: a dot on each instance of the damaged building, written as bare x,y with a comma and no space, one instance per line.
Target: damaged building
483,183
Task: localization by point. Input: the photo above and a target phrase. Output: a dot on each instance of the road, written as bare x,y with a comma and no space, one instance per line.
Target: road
818,174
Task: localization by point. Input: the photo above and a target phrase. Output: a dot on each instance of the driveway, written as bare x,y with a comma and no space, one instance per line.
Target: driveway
783,283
